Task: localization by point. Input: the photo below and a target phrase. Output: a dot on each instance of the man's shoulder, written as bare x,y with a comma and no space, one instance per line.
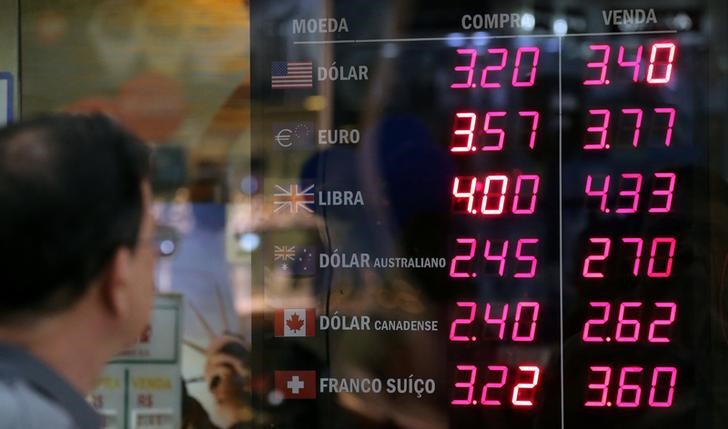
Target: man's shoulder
23,407
32,395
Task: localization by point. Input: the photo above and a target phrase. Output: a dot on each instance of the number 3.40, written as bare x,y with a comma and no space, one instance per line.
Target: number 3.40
659,70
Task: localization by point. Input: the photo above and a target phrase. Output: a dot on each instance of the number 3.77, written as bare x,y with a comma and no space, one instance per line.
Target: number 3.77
600,129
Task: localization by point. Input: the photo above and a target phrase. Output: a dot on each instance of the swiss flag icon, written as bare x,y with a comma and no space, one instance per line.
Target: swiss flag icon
296,384
295,322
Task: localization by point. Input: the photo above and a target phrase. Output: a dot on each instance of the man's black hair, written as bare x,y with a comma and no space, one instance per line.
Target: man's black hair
70,196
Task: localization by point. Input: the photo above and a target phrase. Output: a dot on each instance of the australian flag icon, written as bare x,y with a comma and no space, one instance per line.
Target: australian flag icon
298,261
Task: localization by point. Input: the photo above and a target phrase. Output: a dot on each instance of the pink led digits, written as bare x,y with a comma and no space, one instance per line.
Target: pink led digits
534,182
499,258
631,194
487,129
601,66
602,388
667,193
638,243
662,252
664,49
464,197
471,243
627,324
637,124
497,196
494,385
530,260
627,390
659,69
670,244
601,193
671,308
525,399
501,253
664,372
468,69
521,308
484,76
601,130
605,244
534,126
500,321
635,64
462,139
522,329
586,334
500,58
526,380
620,196
631,385
534,66
464,134
525,68
471,316
600,126
670,112
526,315
467,386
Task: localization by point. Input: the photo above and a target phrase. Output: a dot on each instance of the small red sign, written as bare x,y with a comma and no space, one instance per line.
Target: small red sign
296,384
295,322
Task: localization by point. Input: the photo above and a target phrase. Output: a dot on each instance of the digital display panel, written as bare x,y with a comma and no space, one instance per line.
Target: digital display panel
521,234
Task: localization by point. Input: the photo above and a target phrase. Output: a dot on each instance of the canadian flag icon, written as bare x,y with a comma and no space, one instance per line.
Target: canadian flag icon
295,322
296,384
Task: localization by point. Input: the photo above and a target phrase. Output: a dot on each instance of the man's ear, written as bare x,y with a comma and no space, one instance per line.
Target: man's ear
115,283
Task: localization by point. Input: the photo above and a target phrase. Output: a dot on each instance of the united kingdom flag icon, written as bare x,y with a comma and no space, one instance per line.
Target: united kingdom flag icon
292,199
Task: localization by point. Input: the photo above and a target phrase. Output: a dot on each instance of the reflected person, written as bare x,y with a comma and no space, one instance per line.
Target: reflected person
77,252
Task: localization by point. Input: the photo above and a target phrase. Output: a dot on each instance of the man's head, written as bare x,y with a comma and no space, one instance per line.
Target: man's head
74,220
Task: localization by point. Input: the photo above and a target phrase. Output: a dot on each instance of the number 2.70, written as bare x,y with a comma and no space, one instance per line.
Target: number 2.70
666,245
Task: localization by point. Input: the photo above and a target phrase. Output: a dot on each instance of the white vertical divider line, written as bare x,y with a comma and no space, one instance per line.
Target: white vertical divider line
561,240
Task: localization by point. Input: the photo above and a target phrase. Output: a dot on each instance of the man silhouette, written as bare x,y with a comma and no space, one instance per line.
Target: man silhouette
77,256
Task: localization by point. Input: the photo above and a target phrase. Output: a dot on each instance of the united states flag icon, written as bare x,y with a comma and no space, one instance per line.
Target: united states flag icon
293,74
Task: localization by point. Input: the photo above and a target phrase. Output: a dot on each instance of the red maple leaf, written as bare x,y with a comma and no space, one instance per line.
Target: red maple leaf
295,323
